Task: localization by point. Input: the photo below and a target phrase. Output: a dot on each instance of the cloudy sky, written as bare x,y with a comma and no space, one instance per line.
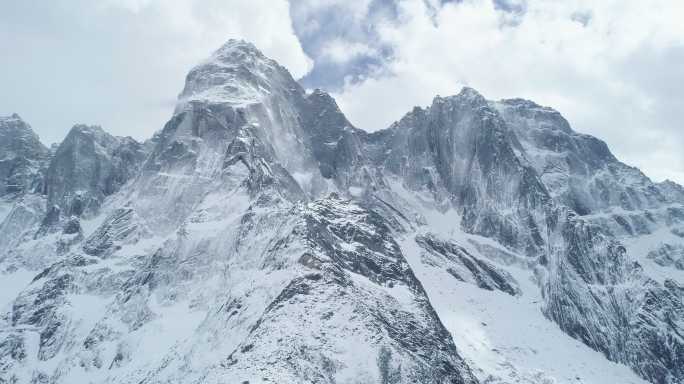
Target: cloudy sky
614,68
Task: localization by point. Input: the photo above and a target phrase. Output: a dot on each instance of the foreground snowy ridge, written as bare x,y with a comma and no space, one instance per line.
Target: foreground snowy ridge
260,237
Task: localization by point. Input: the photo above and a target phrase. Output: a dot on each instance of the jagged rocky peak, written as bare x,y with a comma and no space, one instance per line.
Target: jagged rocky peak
18,139
237,126
323,105
89,165
468,106
578,169
467,94
322,99
21,156
543,131
547,117
545,128
463,153
240,98
336,143
236,74
672,190
444,140
92,133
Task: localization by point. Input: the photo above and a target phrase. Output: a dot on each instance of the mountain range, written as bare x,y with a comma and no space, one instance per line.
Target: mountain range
259,237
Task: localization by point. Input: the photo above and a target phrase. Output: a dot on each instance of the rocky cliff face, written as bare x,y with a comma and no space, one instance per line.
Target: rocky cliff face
260,237
21,157
88,166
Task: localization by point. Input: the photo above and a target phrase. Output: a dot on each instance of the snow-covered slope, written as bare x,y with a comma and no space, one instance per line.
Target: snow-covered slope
260,237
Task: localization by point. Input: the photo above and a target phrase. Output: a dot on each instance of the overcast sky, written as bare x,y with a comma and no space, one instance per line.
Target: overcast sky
613,68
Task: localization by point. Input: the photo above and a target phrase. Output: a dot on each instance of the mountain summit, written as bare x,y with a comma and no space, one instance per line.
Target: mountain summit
237,73
260,237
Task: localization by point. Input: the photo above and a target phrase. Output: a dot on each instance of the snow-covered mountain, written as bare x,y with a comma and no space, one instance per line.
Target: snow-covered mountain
261,237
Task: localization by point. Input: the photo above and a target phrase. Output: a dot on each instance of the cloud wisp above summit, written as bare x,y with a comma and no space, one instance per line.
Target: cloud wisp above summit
611,68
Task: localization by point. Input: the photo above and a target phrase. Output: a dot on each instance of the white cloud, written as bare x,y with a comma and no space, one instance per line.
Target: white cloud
357,9
341,51
591,68
199,27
